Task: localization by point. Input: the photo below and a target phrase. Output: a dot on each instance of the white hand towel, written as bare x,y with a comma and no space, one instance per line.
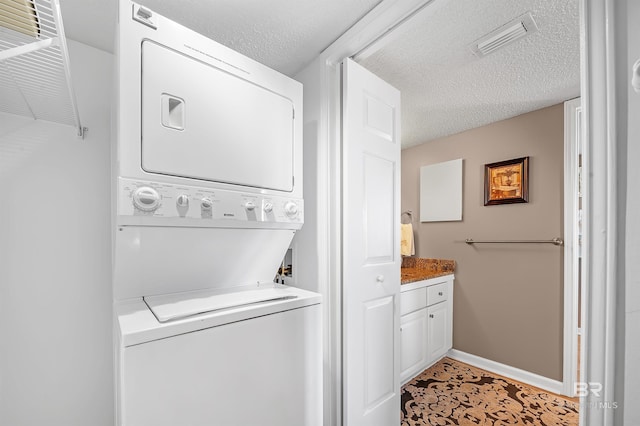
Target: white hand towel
407,248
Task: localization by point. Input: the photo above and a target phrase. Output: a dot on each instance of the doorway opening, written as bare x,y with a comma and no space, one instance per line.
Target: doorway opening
379,27
489,109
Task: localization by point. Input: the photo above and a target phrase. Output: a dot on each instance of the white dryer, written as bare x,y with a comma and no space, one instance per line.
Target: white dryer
207,196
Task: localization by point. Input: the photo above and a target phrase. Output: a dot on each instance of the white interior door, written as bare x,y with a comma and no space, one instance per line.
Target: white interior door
371,249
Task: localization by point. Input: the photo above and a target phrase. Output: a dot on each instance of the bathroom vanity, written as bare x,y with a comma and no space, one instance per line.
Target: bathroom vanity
426,322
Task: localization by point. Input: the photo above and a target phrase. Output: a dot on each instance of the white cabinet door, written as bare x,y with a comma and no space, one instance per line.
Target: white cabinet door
413,328
439,334
371,249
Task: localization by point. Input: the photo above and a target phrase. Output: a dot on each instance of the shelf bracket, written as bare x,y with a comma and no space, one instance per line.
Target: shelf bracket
28,48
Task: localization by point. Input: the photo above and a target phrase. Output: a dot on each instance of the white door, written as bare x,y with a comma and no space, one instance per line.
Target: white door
371,249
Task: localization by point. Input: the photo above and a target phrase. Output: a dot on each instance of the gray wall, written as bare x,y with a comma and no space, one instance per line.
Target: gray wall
56,365
508,299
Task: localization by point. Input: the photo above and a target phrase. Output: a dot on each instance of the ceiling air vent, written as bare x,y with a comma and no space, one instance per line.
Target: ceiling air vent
506,34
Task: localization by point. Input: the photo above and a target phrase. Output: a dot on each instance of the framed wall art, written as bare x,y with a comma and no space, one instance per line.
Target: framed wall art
506,182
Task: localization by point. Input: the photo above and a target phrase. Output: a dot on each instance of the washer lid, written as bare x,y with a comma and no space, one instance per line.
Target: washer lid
137,324
176,306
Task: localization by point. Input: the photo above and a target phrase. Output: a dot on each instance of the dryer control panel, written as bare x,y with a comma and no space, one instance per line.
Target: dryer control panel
156,203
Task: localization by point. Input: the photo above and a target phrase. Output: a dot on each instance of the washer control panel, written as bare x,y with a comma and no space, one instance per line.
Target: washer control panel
160,200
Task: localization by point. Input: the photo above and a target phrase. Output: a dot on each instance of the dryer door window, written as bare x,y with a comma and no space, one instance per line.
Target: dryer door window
201,122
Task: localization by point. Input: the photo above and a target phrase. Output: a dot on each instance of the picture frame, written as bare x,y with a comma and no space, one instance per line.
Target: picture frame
506,182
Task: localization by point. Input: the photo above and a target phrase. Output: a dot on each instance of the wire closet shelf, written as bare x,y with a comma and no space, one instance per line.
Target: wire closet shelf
35,79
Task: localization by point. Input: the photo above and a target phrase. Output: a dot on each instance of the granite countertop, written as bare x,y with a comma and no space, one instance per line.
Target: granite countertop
418,269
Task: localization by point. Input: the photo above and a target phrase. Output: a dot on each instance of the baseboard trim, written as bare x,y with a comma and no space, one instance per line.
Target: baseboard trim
514,373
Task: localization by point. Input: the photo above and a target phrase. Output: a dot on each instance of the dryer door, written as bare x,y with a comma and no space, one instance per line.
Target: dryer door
201,122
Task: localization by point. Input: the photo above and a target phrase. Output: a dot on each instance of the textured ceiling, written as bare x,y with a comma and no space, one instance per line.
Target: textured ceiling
283,34
446,89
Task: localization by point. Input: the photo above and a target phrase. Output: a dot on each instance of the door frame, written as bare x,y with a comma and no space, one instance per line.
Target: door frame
572,150
600,198
386,16
600,204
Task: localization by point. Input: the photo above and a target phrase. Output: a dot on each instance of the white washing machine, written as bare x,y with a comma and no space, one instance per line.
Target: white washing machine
249,365
208,197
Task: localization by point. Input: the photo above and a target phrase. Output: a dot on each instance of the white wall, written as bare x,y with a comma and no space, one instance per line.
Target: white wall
311,243
307,243
56,365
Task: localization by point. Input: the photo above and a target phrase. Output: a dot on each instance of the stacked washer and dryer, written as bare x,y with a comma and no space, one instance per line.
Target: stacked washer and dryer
207,196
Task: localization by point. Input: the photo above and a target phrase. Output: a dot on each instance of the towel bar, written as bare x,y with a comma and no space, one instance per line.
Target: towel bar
557,241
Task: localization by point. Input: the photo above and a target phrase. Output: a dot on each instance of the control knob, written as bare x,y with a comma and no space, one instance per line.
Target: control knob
268,207
182,201
250,206
146,199
291,209
206,204
206,208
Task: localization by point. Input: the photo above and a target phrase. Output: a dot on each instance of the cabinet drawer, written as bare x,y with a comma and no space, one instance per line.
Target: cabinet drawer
413,300
436,293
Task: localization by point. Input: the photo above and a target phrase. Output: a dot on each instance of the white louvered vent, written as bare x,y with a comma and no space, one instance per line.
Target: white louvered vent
35,80
506,34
